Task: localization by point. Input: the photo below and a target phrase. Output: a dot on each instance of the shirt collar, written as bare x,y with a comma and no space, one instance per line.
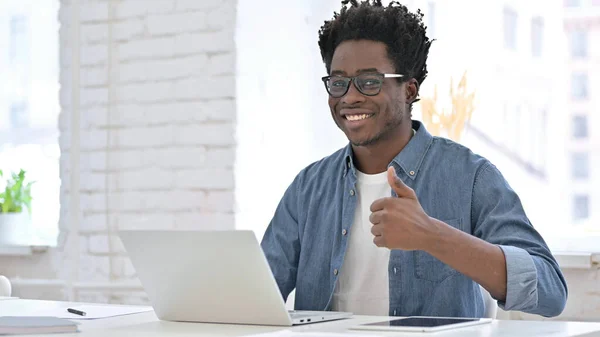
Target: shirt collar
409,159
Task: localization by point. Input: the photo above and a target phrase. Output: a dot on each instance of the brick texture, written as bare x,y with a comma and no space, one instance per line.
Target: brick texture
156,133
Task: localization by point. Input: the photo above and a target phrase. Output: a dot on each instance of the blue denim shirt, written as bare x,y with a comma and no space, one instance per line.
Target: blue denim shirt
307,238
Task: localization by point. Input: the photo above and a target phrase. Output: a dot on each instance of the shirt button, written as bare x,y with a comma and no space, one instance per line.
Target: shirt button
394,312
335,272
412,173
351,192
395,270
344,231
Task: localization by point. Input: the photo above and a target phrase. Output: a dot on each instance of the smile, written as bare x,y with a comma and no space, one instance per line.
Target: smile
358,117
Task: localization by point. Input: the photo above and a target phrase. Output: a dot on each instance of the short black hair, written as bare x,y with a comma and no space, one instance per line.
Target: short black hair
401,31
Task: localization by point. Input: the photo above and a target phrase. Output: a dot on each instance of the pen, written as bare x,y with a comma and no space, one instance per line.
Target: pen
76,312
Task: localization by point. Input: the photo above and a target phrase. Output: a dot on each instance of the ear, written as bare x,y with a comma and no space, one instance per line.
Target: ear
411,90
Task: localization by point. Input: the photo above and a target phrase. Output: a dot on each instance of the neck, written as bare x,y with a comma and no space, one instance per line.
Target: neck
375,158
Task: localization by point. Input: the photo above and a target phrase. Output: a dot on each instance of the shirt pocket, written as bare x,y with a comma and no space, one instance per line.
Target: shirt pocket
429,268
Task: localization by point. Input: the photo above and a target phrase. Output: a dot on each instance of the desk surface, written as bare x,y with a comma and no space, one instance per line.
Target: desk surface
146,324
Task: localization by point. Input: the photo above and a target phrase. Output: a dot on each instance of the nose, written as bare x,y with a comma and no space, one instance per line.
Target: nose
353,96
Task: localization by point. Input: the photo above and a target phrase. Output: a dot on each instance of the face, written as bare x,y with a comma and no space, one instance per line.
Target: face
367,120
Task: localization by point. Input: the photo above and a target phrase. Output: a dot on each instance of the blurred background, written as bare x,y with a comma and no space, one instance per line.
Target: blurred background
197,114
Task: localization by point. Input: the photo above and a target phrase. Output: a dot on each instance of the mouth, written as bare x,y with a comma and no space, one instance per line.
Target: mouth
357,121
357,117
356,114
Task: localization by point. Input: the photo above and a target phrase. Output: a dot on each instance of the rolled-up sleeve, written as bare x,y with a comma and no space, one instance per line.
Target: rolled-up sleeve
535,283
522,278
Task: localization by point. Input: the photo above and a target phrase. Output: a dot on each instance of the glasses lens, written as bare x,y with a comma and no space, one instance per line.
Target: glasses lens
337,86
369,84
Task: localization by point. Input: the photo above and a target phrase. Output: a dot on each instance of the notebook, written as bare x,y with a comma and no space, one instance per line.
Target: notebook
14,325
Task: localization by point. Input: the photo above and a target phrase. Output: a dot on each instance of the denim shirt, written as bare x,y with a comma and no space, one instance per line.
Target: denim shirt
306,241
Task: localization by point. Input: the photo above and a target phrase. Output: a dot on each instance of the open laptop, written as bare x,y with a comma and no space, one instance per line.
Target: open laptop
211,277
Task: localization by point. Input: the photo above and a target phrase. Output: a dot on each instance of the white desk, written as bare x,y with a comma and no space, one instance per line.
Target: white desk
146,324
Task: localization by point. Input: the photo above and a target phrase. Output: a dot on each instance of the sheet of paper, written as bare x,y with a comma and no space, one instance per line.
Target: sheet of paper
92,311
289,333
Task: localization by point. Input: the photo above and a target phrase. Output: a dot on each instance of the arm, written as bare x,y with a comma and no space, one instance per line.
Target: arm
506,255
401,223
281,242
479,260
534,282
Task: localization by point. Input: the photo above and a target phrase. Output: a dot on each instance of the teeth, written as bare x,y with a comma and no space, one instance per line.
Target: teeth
357,117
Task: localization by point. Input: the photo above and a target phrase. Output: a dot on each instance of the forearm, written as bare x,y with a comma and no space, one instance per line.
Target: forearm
483,262
533,280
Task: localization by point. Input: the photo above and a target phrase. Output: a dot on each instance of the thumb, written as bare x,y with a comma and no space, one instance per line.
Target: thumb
398,185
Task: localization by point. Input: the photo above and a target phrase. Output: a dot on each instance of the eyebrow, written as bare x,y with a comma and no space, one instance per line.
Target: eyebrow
360,71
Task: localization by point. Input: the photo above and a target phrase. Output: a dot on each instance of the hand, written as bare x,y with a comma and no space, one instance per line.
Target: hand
400,222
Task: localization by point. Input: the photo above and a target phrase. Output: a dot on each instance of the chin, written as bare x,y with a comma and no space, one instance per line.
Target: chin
363,142
366,140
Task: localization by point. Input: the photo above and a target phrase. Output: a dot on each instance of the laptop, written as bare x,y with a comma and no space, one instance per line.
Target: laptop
211,277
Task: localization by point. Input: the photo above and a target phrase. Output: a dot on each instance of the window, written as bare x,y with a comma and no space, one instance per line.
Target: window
18,114
580,127
29,108
581,207
580,165
537,36
510,29
539,143
431,21
19,64
578,43
19,44
572,3
579,86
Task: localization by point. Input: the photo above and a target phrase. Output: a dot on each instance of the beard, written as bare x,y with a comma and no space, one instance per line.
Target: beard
384,133
388,129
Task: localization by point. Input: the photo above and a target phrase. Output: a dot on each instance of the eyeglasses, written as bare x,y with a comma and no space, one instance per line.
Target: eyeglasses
368,84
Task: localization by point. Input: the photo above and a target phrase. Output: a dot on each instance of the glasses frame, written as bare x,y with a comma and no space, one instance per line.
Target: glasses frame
351,81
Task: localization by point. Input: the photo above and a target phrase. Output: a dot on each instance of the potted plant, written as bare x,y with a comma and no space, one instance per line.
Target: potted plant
15,209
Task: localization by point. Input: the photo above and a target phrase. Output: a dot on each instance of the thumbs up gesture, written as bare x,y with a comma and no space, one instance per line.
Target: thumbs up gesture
400,222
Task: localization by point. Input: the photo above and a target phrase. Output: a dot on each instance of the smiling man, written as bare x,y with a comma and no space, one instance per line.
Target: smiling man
399,222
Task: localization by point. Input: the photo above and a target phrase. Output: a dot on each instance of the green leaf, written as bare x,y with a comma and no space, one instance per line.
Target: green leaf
17,194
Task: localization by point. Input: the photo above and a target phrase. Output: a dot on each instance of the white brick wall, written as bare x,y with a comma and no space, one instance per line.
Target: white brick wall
132,9
157,119
177,23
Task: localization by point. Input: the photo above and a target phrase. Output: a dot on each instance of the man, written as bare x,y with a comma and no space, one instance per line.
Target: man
400,222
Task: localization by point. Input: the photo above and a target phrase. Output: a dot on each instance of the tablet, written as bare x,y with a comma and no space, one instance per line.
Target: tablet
422,324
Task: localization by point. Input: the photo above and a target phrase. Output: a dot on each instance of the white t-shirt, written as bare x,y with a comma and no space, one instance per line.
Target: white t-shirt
363,286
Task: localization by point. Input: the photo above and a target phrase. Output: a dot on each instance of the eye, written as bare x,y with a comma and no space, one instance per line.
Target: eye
338,83
370,83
